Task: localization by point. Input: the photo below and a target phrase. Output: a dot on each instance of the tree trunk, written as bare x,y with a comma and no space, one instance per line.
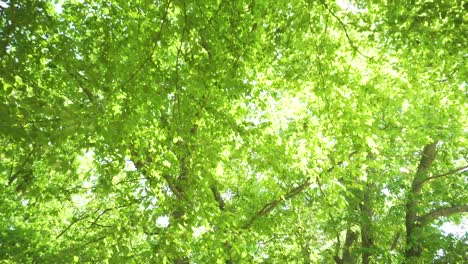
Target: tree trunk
413,228
367,241
347,257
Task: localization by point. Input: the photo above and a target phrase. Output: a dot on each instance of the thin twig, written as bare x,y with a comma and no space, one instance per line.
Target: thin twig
94,240
99,216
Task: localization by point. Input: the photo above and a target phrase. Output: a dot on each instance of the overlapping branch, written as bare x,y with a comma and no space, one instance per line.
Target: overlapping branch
77,77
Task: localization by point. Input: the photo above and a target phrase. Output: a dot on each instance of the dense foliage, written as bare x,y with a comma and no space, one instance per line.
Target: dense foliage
215,131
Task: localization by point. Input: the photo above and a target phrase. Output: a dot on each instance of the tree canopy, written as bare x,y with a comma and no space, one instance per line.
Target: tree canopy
250,131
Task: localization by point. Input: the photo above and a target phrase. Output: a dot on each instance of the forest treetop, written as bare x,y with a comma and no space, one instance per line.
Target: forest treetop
232,131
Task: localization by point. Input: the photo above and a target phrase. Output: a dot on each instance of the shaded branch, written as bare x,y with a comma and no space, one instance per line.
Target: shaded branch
351,236
14,176
338,244
446,211
97,224
178,192
461,169
337,259
205,46
217,196
319,183
264,211
77,77
366,225
395,240
298,189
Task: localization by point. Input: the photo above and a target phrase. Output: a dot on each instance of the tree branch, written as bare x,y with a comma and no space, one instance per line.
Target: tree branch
461,169
351,236
99,216
270,206
95,222
395,240
427,158
343,25
217,197
425,163
82,85
264,211
76,220
413,243
298,189
139,165
273,204
143,64
93,241
337,259
178,192
446,211
289,195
